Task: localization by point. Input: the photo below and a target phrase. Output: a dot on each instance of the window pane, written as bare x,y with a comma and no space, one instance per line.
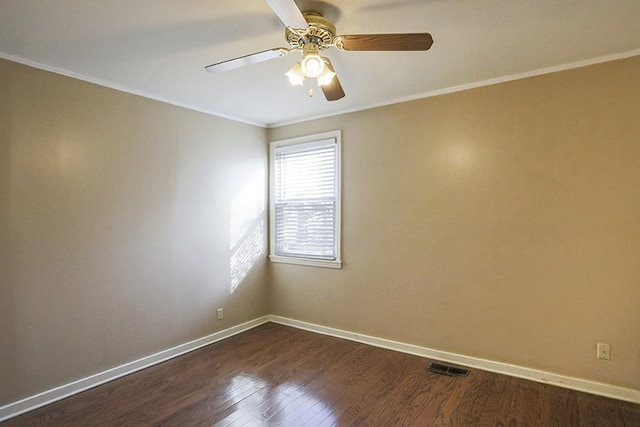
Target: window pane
305,200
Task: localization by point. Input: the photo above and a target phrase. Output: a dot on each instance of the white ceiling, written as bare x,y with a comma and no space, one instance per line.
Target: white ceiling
158,48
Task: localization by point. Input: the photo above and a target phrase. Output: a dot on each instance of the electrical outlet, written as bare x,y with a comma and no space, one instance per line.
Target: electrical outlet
603,351
220,312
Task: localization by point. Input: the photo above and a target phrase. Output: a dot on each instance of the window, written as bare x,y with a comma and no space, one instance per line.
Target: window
305,200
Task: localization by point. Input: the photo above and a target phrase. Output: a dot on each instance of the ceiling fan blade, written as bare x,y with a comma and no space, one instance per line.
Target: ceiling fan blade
288,12
332,91
253,58
406,41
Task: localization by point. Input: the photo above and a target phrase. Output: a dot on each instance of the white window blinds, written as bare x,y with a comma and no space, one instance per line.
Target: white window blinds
305,200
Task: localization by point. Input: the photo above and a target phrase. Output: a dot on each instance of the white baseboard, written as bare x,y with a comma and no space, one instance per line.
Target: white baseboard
16,408
579,384
41,399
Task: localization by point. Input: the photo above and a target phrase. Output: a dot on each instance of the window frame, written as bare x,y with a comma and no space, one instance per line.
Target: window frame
306,141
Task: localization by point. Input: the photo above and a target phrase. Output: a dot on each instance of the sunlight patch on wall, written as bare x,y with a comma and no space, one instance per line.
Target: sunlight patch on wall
247,230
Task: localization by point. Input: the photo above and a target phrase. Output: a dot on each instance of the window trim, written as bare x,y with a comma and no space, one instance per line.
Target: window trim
307,139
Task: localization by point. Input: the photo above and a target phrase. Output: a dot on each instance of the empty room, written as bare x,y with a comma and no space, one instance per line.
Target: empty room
320,213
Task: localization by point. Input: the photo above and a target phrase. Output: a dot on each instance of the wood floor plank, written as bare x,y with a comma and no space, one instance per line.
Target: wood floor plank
377,383
497,392
630,414
472,398
557,407
276,375
597,411
393,394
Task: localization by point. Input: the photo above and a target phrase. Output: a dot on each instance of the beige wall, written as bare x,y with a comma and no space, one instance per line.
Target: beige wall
501,222
124,222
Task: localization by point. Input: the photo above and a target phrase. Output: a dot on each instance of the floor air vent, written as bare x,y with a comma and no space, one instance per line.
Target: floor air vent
440,368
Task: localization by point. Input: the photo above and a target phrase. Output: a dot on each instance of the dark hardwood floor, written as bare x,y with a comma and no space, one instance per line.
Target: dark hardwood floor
276,375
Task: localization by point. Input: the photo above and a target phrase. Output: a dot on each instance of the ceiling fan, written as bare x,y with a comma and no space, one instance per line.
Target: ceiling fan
311,33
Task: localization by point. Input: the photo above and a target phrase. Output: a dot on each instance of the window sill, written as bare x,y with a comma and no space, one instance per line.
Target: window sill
306,261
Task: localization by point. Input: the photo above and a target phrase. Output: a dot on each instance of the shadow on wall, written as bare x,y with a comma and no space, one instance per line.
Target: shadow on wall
247,231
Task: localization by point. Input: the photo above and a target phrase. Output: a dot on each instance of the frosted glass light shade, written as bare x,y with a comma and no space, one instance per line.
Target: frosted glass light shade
295,75
326,77
312,65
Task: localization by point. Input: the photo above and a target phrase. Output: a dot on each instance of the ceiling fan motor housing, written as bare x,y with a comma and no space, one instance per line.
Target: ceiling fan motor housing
321,31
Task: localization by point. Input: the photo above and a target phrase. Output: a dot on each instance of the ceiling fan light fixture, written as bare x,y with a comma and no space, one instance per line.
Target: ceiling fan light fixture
312,33
312,64
295,75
